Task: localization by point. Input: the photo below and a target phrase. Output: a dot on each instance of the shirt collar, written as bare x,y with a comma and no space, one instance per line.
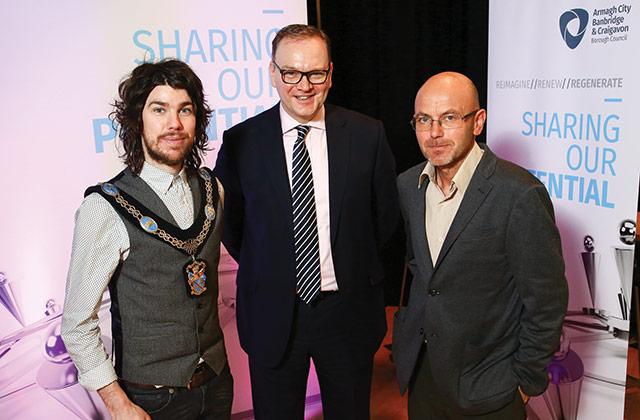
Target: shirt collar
289,123
160,180
462,178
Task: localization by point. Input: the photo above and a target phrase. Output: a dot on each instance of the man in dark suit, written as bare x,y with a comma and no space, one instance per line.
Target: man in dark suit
310,200
489,293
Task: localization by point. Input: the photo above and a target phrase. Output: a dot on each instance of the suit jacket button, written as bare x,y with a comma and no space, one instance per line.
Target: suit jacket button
433,292
200,330
421,331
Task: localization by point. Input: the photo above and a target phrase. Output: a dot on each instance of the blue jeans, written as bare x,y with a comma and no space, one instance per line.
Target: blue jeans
210,401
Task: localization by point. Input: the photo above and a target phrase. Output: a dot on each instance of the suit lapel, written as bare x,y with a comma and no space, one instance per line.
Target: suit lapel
476,193
338,151
274,162
422,254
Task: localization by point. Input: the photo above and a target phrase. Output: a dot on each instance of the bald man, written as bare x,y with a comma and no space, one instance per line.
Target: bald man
489,293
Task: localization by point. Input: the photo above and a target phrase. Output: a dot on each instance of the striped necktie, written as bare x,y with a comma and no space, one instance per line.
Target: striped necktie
305,225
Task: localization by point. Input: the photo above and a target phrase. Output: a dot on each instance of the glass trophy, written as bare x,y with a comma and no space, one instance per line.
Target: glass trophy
8,299
600,319
591,263
624,263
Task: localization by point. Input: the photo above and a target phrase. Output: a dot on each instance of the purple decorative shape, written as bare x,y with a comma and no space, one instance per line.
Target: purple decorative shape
58,376
53,348
52,308
18,363
8,298
60,380
566,371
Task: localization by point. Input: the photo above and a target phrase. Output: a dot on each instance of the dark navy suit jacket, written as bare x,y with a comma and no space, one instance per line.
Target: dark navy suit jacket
491,308
258,230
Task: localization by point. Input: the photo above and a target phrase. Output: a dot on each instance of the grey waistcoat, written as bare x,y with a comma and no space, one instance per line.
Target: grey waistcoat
160,332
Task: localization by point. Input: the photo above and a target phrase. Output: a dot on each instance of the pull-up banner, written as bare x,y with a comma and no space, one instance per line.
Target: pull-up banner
62,63
563,92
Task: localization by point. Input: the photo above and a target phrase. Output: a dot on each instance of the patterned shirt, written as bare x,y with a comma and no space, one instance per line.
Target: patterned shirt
100,244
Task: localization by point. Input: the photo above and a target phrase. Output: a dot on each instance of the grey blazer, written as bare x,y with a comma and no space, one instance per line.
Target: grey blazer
490,311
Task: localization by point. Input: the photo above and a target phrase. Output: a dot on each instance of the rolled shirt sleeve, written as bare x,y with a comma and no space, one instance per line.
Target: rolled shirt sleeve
100,243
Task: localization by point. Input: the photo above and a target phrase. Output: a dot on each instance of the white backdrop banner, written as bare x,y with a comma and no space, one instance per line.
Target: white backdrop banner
563,94
62,65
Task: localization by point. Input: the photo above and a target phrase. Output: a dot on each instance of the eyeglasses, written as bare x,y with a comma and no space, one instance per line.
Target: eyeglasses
292,77
447,121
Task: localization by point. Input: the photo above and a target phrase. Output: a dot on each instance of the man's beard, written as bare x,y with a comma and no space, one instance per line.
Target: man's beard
161,156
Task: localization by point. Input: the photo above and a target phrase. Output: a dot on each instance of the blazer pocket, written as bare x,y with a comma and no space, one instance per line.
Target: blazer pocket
486,371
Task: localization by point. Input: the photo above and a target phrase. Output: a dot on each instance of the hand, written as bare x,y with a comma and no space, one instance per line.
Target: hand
525,397
119,405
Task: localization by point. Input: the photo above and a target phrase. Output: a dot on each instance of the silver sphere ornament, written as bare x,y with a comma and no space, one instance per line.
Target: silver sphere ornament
627,232
588,243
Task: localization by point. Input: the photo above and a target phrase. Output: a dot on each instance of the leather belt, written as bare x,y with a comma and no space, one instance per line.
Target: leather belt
201,375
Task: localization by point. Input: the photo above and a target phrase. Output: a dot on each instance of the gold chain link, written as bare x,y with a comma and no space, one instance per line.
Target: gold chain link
191,244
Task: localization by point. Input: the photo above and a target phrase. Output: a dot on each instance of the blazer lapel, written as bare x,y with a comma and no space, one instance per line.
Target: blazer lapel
274,162
422,254
476,193
339,152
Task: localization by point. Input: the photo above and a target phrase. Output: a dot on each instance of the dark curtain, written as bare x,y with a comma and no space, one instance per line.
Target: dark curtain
383,51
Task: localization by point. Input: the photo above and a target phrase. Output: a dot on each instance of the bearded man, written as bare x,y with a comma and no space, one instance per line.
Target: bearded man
152,235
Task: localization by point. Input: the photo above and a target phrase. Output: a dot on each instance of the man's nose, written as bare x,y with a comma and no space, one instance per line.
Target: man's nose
304,83
175,123
436,129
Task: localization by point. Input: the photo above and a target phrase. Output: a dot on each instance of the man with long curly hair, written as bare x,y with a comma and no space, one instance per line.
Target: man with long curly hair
152,235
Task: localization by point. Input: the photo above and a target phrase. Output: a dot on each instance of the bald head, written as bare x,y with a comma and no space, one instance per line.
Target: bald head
444,98
452,86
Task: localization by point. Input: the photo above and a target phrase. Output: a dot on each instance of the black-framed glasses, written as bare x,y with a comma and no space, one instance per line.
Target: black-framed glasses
424,123
292,77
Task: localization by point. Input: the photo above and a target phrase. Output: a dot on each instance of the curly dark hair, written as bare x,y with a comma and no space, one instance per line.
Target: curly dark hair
134,90
298,32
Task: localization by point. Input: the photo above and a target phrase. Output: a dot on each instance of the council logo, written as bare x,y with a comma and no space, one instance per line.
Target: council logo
572,40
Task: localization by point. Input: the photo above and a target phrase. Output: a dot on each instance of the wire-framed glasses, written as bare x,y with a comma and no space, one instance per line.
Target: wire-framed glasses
453,120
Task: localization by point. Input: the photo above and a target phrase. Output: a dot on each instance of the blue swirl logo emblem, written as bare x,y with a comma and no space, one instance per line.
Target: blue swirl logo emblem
572,40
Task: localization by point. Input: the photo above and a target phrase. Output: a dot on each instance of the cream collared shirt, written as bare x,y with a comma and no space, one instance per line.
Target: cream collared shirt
440,209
